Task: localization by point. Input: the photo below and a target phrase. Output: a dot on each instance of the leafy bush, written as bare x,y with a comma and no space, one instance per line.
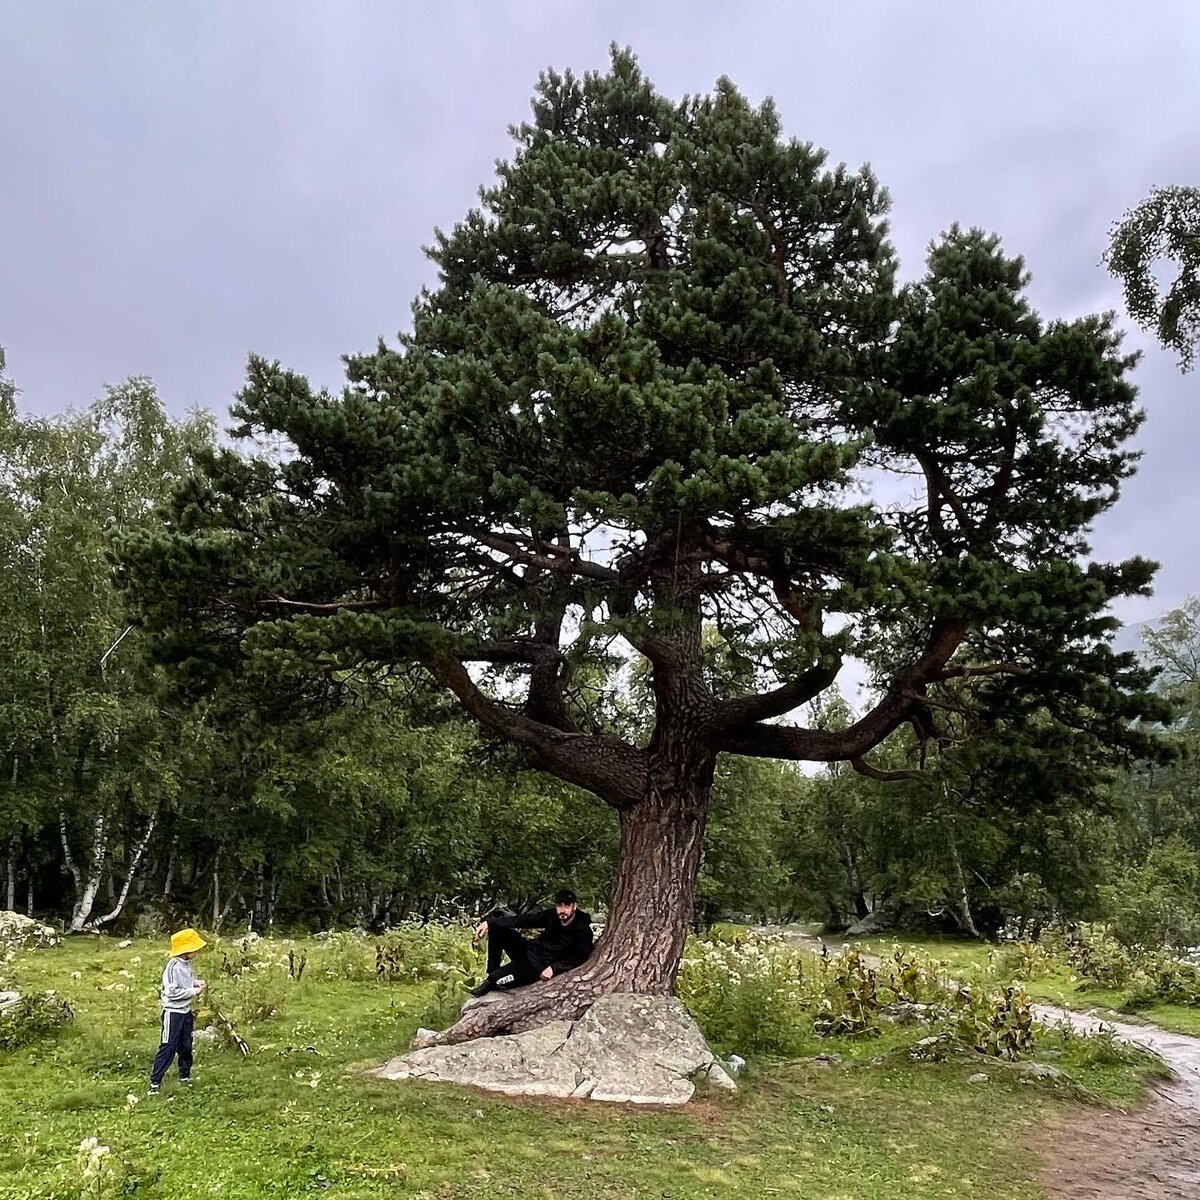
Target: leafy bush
425,950
755,993
32,1018
251,980
346,955
1024,960
1157,902
746,993
996,1023
1103,961
410,951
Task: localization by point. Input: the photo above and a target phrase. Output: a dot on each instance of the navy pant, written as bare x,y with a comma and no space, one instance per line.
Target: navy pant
521,967
176,1041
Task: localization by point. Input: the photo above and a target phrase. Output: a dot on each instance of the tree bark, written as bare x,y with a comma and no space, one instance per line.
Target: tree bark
661,842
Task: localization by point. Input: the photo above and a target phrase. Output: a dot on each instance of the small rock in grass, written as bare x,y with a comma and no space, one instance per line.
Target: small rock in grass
1036,1070
978,1077
735,1064
124,945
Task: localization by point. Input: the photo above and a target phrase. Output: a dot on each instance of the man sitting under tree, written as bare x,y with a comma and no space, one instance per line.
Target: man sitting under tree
565,942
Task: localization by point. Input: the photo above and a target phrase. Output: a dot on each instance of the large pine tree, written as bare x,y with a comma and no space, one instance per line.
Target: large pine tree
667,380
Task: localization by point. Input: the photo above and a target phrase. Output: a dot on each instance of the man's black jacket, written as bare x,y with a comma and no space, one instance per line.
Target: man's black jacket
558,946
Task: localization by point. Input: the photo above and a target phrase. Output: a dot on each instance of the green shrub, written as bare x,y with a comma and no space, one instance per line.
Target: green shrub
1023,960
996,1023
425,950
346,955
746,993
754,993
32,1018
410,951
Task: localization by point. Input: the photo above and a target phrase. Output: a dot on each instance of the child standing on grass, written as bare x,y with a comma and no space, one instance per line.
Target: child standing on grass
179,989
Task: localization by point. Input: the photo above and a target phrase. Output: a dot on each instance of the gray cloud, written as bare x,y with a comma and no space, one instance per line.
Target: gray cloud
185,183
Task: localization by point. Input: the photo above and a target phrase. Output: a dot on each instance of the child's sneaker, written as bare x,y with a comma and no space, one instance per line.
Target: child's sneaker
154,1090
186,1082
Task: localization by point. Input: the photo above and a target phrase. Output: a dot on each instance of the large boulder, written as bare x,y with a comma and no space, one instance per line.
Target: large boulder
23,933
626,1049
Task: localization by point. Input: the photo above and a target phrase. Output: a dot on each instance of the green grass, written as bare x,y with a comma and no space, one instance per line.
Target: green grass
1061,987
298,1117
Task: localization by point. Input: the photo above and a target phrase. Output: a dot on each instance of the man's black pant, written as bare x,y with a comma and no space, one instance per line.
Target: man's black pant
521,968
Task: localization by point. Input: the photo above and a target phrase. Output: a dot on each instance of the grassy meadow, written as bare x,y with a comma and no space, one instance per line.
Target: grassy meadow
298,1116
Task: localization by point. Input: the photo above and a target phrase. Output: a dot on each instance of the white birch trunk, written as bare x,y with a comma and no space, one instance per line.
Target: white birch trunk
119,906
86,898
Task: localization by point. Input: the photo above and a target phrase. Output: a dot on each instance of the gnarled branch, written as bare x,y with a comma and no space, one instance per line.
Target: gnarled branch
612,769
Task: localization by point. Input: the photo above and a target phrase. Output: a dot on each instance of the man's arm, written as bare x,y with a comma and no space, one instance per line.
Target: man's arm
531,920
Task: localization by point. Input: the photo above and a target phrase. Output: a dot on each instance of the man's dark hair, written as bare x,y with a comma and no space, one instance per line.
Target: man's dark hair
564,896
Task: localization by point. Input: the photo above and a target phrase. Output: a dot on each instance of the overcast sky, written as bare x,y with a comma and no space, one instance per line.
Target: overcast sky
186,182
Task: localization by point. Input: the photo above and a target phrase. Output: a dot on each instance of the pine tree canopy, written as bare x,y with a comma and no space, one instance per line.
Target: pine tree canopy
668,379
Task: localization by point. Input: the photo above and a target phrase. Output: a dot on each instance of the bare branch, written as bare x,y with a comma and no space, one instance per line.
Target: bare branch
548,557
903,697
979,672
747,709
324,610
612,769
880,776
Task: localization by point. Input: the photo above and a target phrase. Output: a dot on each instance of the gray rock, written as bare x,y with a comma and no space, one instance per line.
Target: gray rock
8,999
1036,1070
905,1012
735,1065
937,1048
978,1077
880,921
208,1034
24,933
626,1049
824,1061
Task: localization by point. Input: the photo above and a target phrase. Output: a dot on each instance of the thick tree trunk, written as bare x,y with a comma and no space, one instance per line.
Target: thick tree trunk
661,842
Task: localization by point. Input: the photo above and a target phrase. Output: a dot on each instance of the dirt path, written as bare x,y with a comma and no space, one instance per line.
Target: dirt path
1150,1154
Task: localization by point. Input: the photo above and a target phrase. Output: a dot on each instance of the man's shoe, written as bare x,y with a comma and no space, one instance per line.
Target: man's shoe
186,1082
154,1090
482,989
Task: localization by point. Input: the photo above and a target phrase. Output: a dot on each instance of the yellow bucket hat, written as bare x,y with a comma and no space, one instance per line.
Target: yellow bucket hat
186,941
